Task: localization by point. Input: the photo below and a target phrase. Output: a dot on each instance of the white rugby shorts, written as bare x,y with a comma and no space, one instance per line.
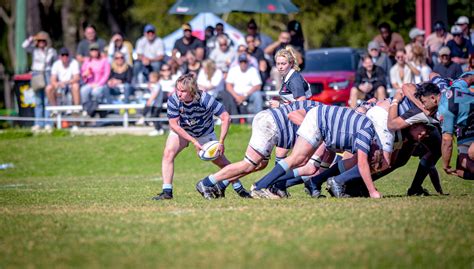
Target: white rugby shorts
309,129
265,133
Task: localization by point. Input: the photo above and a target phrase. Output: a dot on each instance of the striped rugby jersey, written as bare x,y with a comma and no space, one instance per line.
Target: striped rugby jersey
343,129
286,127
196,118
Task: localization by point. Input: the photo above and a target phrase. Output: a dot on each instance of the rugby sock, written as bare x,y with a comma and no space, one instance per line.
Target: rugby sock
293,181
209,181
280,183
420,175
434,176
237,186
168,188
223,184
348,175
334,170
279,170
277,159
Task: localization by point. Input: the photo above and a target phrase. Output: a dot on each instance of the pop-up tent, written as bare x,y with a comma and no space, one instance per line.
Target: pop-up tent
199,24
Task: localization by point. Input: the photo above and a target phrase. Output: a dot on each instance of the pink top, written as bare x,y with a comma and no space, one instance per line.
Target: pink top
99,69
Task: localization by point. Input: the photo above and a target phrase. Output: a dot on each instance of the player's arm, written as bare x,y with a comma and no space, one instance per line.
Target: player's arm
173,122
409,91
225,118
364,169
297,116
395,122
447,151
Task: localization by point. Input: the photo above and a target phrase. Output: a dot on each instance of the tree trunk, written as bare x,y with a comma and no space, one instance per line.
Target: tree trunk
33,21
68,26
114,26
9,21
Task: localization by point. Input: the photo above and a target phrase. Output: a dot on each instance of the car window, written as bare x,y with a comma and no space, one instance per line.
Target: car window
331,61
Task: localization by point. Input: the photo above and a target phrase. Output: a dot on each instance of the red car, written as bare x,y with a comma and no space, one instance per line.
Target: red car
331,74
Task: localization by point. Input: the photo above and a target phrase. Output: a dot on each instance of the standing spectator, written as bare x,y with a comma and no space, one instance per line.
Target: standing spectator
243,84
283,40
210,79
95,72
261,40
297,40
43,56
460,47
379,58
90,36
121,75
255,51
389,41
65,76
417,37
209,40
150,54
187,42
422,73
370,82
223,55
401,72
192,65
117,43
463,22
154,103
436,40
447,68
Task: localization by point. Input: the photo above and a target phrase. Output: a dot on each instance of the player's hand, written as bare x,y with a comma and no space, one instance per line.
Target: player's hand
274,103
450,171
221,148
375,194
197,145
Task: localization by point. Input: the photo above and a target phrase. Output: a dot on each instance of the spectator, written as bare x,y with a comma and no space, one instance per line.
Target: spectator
192,65
242,49
463,22
174,68
401,72
150,51
417,37
210,78
117,43
243,84
283,40
446,68
460,47
65,76
422,73
154,103
95,72
370,82
43,56
209,40
379,58
257,53
223,55
436,40
168,77
121,75
297,40
187,42
389,41
261,40
220,31
90,36
470,63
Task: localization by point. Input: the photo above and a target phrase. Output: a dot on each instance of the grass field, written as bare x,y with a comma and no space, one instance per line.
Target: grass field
85,202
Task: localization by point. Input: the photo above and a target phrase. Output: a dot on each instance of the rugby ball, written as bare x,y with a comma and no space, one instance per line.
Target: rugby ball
209,151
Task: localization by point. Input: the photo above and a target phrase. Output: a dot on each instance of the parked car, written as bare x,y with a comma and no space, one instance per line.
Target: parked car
331,73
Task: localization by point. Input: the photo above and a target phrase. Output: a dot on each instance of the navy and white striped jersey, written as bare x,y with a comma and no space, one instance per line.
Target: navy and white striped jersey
294,86
343,129
286,127
196,118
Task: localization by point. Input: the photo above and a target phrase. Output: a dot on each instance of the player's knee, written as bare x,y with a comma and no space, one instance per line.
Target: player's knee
169,154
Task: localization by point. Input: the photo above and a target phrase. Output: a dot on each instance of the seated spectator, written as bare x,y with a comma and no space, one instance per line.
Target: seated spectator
436,40
117,43
187,42
174,68
422,72
90,36
191,65
65,76
261,40
379,58
243,84
463,22
150,51
447,68
417,37
460,47
95,72
153,104
210,79
242,49
370,82
297,41
168,77
223,55
43,56
209,40
283,40
401,72
220,31
121,75
256,52
389,41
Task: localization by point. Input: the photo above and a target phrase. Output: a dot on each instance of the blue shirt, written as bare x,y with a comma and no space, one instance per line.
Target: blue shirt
196,118
294,86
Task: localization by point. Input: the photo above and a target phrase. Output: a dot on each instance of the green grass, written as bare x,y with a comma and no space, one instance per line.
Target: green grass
85,202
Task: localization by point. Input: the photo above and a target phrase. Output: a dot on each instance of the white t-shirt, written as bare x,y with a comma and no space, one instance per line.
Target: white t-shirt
424,75
243,81
150,49
65,73
216,81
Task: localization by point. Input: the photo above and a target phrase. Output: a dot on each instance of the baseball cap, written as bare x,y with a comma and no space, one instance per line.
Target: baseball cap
414,32
444,51
186,26
456,30
149,28
63,51
462,20
373,45
439,25
94,46
243,58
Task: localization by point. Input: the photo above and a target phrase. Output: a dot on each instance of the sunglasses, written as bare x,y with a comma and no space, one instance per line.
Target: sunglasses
120,57
165,69
223,45
458,35
65,55
399,57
